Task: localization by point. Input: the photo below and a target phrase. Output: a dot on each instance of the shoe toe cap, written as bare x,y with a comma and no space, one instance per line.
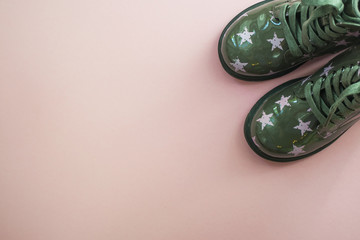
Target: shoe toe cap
253,45
281,126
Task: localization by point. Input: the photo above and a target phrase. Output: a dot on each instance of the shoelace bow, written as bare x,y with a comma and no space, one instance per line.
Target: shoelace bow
311,24
340,99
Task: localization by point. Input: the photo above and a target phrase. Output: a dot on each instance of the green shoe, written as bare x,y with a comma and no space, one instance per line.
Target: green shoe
272,38
305,115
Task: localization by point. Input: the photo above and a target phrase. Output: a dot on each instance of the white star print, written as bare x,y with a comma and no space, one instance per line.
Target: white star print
239,66
269,73
328,134
254,140
245,36
276,42
265,120
244,15
303,127
297,150
305,80
326,70
272,15
284,101
353,34
309,110
342,42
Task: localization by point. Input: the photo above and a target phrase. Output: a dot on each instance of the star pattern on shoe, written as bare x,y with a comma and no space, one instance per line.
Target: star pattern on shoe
303,127
272,15
276,42
245,36
239,66
284,101
270,73
244,15
353,34
297,150
326,70
341,43
328,134
305,80
309,110
265,120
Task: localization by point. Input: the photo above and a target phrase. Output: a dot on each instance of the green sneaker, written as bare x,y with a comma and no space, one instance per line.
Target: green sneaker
272,38
305,115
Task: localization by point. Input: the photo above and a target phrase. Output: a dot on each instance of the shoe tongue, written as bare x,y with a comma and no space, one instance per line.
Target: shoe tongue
351,8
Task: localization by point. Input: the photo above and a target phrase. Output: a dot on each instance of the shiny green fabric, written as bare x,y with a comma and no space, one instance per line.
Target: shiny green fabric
272,38
303,116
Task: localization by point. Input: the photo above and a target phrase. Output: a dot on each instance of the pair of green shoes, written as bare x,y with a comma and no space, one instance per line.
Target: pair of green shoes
271,38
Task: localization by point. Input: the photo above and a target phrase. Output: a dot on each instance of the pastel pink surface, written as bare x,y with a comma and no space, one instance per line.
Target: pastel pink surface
117,121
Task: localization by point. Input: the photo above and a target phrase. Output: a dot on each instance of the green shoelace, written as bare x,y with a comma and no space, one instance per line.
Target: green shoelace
312,24
335,97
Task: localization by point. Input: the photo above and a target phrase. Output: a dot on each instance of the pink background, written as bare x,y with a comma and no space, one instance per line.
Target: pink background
117,121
